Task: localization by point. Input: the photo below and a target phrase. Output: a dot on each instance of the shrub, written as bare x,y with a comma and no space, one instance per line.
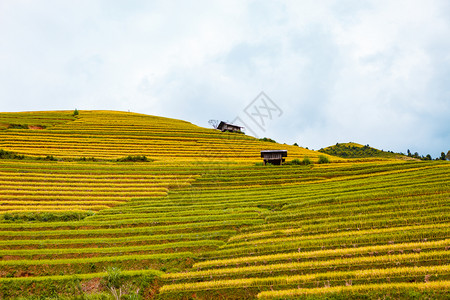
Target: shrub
86,159
75,112
306,161
265,139
296,162
10,155
323,159
46,216
18,126
133,158
49,157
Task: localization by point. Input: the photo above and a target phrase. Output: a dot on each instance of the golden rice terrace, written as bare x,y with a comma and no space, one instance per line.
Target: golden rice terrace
159,208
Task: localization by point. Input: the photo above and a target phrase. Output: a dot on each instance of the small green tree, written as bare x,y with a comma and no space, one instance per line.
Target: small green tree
75,112
306,161
323,159
296,161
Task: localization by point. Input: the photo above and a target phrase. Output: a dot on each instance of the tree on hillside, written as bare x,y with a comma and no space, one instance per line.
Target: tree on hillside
442,156
214,123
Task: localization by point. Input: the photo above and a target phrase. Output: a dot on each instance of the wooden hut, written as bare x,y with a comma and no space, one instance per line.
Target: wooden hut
274,157
228,127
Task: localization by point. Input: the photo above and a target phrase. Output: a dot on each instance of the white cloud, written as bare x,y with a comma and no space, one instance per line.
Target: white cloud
367,71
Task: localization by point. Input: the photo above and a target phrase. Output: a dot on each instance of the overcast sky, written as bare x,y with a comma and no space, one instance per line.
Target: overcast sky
372,72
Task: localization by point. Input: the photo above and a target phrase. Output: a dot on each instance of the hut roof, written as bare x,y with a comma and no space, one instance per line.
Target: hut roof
222,123
282,152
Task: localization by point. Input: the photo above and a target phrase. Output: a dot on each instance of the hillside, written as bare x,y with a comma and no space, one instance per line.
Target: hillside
101,137
112,134
203,220
354,150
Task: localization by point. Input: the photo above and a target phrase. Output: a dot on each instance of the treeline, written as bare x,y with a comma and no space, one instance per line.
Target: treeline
428,156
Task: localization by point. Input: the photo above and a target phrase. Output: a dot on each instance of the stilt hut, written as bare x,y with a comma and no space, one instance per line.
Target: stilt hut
274,157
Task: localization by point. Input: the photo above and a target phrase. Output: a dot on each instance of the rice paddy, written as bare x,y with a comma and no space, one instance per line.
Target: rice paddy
203,219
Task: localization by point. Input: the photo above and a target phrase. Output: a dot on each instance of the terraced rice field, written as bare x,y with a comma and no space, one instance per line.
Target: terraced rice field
107,134
203,221
73,186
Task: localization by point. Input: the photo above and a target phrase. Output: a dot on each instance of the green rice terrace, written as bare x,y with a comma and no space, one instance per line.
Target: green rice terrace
109,205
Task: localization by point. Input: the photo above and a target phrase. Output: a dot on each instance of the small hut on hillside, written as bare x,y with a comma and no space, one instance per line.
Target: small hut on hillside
228,127
274,157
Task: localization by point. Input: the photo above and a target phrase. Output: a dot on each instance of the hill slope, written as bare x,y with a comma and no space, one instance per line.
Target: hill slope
112,134
204,221
354,150
83,151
